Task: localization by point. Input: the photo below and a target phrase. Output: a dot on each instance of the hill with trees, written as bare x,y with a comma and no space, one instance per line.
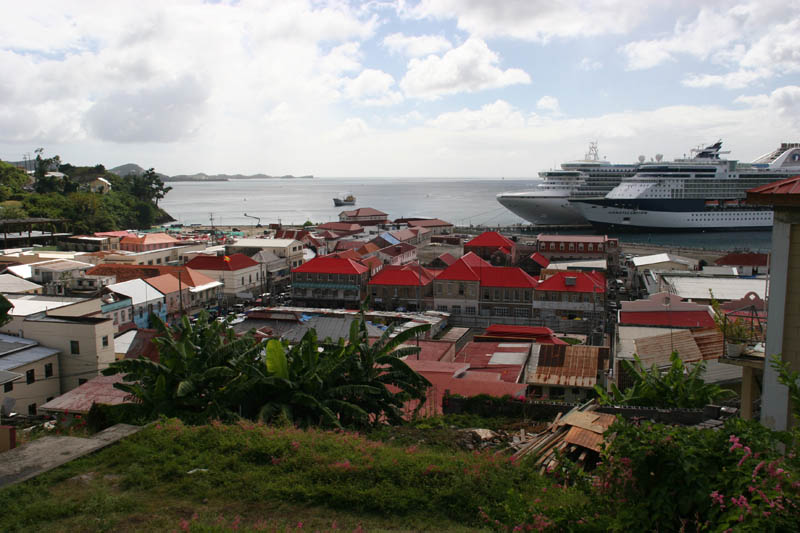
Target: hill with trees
62,190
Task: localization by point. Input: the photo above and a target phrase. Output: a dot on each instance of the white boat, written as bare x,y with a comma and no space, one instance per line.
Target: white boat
549,202
701,193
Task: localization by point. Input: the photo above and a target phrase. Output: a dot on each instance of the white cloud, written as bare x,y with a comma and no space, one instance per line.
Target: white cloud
783,101
752,40
548,103
350,129
470,67
416,45
373,88
589,65
499,114
536,20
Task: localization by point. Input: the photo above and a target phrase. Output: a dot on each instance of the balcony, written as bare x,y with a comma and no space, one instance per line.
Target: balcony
326,285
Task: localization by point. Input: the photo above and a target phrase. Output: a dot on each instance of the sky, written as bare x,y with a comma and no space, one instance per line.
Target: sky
416,88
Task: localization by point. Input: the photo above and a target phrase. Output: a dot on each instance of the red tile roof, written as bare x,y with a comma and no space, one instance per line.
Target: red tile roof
341,226
363,212
490,239
743,259
584,282
218,262
328,264
403,275
677,319
374,263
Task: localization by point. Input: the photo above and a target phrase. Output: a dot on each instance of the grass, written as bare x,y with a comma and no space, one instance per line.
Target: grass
251,477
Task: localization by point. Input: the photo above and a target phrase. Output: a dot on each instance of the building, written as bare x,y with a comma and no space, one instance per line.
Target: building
746,263
340,229
290,250
118,309
700,287
573,302
664,261
438,227
443,261
276,273
79,401
29,375
572,247
398,254
456,289
146,300
85,343
176,295
10,283
666,310
365,216
783,308
87,243
564,372
493,247
173,255
402,287
330,281
58,276
147,242
239,274
100,185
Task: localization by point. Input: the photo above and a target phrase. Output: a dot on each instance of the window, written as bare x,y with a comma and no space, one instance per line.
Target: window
105,341
32,409
158,261
48,370
442,308
470,310
30,376
456,310
8,387
75,347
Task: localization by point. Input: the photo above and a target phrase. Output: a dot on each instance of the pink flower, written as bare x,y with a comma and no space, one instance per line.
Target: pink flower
295,444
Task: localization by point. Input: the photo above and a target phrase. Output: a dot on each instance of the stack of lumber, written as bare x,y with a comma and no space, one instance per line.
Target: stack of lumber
578,434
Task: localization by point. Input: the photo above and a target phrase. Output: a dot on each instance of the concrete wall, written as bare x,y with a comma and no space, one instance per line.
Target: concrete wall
38,392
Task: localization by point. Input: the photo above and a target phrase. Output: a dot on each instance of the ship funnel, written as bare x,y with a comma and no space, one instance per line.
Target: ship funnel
641,159
659,157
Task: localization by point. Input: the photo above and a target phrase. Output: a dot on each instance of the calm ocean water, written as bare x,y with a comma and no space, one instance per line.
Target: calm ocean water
457,200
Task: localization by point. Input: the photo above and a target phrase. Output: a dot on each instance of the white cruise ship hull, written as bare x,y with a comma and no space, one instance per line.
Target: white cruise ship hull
543,210
672,215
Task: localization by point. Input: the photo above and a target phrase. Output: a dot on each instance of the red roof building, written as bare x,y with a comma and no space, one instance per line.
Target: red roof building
571,302
666,310
510,333
577,247
341,228
330,281
747,263
240,275
493,247
398,254
147,242
434,224
222,263
402,286
443,261
366,216
574,282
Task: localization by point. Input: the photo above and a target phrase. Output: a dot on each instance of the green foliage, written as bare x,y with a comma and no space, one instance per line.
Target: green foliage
679,386
736,331
791,379
206,372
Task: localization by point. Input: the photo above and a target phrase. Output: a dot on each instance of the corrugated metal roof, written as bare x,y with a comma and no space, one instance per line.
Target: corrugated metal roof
568,366
138,290
12,283
6,376
25,357
97,390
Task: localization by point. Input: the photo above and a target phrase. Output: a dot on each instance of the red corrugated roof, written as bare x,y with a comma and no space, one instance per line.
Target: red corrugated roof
506,329
465,269
573,238
678,319
447,259
405,275
341,226
489,239
218,262
786,186
363,212
505,277
328,264
428,223
584,282
540,260
348,254
397,249
98,390
743,259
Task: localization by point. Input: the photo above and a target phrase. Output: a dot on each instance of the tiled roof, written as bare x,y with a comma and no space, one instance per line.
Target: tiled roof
372,262
403,235
218,262
348,254
677,319
465,269
347,245
584,282
490,239
327,264
363,212
98,390
743,259
429,223
403,275
397,249
573,238
341,226
368,248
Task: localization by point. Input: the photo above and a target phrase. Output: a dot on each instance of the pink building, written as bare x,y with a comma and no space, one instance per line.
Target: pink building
147,242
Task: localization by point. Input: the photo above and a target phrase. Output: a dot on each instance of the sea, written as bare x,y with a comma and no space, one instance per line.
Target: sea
461,201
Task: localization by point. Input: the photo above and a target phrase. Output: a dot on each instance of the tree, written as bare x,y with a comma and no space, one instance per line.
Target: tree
678,386
148,186
42,167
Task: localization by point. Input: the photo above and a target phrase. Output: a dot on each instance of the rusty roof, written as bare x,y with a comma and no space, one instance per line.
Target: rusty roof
568,366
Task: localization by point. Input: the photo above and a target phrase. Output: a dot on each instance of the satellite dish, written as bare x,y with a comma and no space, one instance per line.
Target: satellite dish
641,159
659,157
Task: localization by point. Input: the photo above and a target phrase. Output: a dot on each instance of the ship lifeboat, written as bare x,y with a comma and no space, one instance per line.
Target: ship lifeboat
731,203
712,203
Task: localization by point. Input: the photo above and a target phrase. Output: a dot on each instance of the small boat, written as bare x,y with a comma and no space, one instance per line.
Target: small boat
712,203
347,199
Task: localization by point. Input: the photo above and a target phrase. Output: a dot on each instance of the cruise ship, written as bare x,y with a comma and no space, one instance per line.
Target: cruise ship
549,202
702,193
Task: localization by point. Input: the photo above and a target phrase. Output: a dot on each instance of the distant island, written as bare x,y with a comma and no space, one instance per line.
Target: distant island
132,168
